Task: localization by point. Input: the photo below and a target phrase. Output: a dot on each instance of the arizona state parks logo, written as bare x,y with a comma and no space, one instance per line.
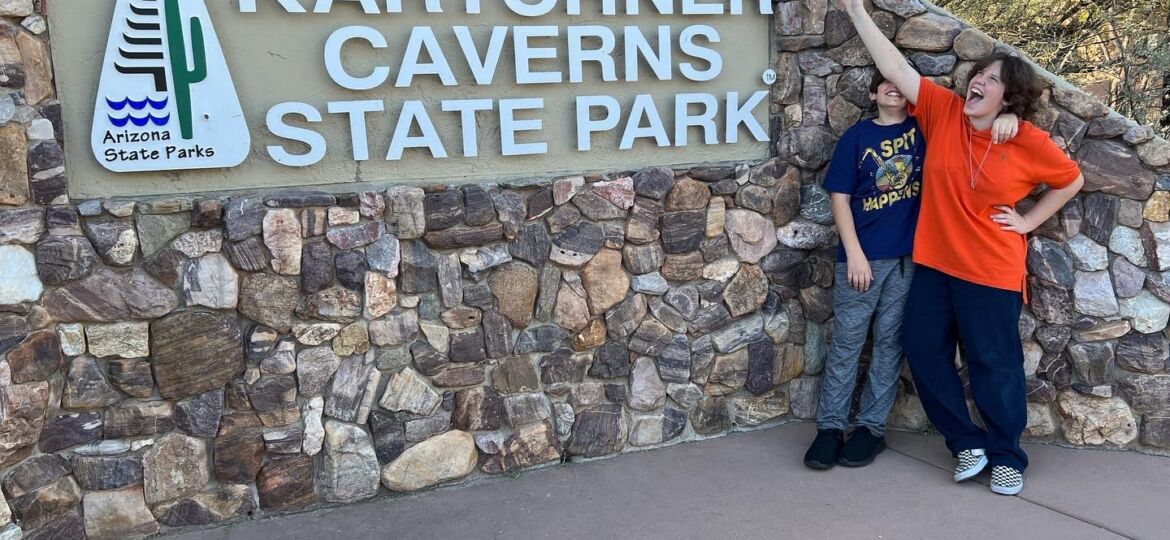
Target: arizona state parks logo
166,100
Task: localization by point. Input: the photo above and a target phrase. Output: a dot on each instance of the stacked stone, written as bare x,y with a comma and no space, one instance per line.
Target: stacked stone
32,164
189,360
215,357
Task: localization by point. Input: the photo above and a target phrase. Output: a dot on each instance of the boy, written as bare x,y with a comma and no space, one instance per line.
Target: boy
875,182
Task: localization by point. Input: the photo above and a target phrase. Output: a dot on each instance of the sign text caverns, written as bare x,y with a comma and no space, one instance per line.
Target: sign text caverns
586,44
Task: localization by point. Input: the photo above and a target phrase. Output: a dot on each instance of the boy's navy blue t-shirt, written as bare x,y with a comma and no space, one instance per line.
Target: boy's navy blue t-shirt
880,167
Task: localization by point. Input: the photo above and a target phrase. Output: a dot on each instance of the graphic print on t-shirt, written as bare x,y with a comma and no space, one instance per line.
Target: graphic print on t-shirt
892,176
880,168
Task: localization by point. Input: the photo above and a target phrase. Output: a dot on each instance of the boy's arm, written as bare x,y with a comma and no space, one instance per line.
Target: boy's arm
1005,128
886,56
859,273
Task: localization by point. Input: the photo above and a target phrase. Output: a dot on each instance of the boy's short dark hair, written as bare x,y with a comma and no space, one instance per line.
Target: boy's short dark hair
876,81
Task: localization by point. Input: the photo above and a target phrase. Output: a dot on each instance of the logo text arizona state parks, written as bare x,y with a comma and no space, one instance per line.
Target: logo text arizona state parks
166,100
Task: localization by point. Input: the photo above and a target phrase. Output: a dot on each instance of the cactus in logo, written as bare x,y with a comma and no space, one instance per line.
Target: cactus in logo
182,75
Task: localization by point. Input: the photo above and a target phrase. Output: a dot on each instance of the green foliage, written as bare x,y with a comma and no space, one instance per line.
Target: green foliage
1121,47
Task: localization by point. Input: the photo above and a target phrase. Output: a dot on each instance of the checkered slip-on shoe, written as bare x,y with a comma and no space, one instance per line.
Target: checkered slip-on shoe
971,462
1006,480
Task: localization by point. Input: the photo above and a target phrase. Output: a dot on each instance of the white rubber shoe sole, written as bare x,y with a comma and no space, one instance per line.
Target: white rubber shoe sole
973,470
1006,480
1003,490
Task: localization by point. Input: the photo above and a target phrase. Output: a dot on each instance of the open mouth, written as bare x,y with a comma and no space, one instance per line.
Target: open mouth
894,94
974,96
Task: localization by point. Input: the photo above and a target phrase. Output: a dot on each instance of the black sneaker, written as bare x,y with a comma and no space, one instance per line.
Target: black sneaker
862,447
823,452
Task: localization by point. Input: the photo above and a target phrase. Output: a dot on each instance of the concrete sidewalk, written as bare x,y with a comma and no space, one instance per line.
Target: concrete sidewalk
753,485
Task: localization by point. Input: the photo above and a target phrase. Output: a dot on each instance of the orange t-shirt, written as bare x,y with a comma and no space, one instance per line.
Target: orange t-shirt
955,233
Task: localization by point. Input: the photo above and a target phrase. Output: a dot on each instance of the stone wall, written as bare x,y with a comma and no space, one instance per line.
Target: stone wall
189,360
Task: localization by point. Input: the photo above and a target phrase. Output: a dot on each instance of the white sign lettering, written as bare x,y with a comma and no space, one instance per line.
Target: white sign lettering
384,88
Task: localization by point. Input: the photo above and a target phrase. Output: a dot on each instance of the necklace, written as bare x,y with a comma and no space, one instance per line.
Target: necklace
974,176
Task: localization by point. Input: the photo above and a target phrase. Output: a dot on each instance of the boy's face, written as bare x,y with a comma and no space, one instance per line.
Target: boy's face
888,96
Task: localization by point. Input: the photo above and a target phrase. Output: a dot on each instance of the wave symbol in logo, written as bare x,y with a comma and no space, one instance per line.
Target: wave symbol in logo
138,105
140,122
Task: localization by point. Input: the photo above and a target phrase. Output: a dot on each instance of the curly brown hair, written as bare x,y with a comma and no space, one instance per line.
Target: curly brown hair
1022,87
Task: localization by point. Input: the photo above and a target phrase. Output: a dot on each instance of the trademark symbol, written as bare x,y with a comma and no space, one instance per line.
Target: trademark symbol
769,76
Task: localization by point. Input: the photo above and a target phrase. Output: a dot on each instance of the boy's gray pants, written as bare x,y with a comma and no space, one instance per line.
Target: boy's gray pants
853,311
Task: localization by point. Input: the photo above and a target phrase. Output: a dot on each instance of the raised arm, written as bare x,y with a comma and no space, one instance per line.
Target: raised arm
889,60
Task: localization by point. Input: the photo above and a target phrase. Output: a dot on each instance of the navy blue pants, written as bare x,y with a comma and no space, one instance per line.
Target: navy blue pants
941,310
